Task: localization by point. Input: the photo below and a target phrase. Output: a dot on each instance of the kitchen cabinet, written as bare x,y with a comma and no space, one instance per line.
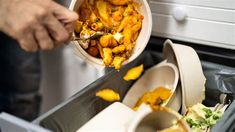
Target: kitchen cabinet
202,22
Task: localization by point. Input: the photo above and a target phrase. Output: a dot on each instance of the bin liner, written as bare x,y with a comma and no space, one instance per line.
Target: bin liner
227,122
219,79
77,110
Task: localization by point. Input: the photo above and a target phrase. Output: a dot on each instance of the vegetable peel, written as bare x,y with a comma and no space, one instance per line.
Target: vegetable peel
200,117
108,95
134,73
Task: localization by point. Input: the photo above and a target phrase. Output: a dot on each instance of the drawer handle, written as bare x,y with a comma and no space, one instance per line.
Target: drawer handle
179,14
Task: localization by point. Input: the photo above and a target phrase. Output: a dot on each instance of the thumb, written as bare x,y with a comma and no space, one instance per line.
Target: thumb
63,14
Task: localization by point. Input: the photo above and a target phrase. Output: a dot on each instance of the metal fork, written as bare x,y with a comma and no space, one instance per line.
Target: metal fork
89,37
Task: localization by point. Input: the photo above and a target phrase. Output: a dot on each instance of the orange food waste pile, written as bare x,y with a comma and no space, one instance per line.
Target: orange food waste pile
156,97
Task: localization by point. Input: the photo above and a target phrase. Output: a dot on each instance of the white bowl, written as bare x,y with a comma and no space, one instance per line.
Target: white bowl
148,120
191,75
115,117
162,75
141,41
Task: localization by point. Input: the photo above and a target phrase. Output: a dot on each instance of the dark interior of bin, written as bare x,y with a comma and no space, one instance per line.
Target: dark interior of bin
76,111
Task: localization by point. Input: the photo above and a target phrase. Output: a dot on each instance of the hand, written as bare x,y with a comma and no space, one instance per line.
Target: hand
36,24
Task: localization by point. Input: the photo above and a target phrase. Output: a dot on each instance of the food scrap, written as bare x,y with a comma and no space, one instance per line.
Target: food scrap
154,98
118,24
200,117
134,73
108,95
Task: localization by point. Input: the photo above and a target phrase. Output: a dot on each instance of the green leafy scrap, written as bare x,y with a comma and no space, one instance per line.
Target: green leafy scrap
199,123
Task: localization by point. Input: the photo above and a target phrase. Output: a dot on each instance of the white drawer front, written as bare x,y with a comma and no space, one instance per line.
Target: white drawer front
220,4
205,25
197,12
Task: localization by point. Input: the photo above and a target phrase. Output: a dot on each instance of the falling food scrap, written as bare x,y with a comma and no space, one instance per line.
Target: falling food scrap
108,95
134,73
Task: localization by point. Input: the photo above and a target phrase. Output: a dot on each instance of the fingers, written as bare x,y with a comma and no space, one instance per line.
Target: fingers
56,30
28,42
44,40
49,33
43,28
70,27
62,13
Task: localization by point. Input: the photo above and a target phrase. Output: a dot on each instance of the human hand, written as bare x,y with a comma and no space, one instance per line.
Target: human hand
36,24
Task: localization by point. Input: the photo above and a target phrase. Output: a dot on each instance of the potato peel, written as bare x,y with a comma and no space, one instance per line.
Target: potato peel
134,73
108,95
